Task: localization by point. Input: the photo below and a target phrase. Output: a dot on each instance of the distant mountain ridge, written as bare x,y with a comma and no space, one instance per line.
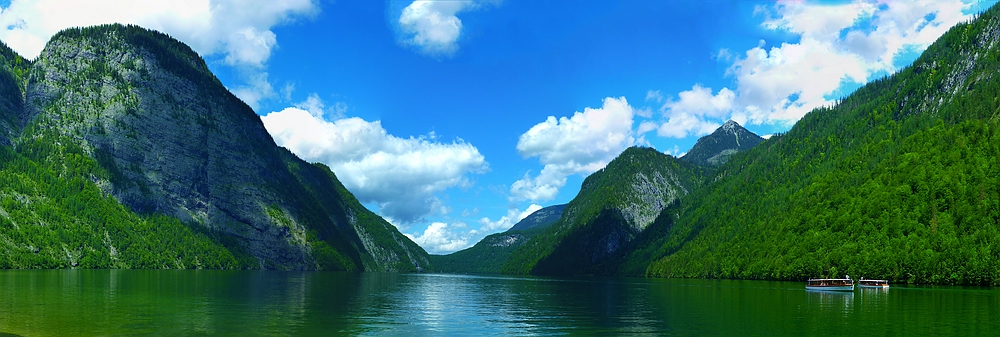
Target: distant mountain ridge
539,219
714,149
489,254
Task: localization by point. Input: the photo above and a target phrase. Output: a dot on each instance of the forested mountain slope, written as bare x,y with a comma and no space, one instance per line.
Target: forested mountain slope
614,205
119,114
899,180
489,254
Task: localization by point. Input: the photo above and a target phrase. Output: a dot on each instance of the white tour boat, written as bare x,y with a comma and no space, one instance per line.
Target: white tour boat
831,284
882,284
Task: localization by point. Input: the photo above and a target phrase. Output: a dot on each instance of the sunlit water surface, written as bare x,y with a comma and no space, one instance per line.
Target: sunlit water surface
240,303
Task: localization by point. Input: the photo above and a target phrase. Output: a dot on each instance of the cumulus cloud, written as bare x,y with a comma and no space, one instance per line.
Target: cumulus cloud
838,44
400,175
255,89
433,26
580,144
317,108
675,151
655,96
443,238
692,111
239,32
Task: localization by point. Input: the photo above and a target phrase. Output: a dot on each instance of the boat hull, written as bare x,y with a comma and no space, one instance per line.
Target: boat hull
831,288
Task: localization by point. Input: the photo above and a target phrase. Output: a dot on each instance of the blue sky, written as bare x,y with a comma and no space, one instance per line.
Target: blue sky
455,119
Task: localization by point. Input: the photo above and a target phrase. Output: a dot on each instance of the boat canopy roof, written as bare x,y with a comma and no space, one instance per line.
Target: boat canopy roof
831,279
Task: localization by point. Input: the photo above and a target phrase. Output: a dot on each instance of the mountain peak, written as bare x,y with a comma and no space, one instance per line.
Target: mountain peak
715,149
542,218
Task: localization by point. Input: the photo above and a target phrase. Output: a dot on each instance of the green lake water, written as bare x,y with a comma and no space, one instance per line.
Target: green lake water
243,303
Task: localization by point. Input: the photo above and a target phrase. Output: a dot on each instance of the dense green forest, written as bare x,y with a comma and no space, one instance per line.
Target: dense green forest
898,180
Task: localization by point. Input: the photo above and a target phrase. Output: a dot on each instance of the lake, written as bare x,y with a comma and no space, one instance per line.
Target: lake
248,303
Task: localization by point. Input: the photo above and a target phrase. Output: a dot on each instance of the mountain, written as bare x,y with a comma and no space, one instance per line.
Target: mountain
132,117
614,205
898,180
714,150
489,254
540,219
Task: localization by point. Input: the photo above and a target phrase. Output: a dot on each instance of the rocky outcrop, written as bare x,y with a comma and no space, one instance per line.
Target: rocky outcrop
714,150
12,70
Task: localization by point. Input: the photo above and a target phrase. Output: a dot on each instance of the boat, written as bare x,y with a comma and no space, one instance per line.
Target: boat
881,284
831,284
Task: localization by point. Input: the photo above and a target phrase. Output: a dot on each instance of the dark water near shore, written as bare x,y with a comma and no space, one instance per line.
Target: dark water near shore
193,303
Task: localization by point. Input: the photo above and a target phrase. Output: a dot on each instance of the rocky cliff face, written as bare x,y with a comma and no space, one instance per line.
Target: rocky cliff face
176,142
12,70
714,150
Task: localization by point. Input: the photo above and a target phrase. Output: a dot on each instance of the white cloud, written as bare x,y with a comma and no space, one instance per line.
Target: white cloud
675,151
691,113
256,88
580,144
646,126
400,175
317,108
505,222
443,238
654,96
838,44
434,26
239,32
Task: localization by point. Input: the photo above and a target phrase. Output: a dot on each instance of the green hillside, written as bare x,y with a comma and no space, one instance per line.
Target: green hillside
898,180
